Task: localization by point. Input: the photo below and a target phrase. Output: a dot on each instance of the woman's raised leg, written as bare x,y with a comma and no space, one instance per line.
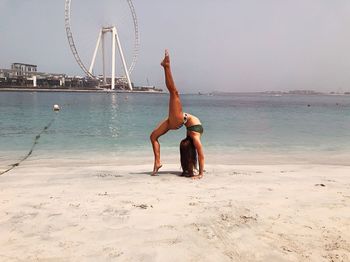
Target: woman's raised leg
175,107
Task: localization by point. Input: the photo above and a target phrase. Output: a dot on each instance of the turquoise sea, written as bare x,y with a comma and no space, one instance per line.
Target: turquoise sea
119,123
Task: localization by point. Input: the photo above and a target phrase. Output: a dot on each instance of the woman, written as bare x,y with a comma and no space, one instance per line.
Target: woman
191,146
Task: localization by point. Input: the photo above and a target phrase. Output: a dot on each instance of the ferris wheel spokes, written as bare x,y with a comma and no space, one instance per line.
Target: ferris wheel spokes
115,41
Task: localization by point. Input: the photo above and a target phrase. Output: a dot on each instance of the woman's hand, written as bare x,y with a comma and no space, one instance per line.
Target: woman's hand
166,61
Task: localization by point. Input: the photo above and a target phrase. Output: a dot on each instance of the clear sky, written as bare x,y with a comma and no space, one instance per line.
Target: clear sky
223,45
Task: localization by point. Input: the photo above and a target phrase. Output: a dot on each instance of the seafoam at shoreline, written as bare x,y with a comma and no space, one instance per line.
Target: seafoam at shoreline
170,156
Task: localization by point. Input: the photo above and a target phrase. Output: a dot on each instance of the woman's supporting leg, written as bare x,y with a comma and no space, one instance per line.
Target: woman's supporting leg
175,107
160,130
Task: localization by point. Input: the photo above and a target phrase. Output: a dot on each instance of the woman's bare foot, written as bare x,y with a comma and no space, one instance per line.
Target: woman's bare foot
197,176
166,61
155,170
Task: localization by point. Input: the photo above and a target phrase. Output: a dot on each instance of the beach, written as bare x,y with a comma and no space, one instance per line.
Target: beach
169,131
105,209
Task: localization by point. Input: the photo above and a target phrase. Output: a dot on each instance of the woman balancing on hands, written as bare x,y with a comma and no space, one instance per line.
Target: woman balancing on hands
191,146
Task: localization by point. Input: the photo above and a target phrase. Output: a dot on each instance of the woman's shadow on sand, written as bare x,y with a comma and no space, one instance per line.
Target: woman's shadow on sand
174,173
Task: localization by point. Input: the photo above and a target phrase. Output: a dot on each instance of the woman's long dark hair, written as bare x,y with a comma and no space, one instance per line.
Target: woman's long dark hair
188,156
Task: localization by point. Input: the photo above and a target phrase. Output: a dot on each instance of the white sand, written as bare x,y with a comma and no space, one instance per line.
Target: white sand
84,210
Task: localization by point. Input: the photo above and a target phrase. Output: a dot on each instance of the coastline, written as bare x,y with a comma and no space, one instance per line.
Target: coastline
74,90
91,208
170,155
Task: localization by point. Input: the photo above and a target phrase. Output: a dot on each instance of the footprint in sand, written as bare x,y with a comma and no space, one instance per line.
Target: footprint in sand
142,206
110,211
18,218
112,252
54,215
39,206
168,227
237,173
108,175
74,205
321,185
286,171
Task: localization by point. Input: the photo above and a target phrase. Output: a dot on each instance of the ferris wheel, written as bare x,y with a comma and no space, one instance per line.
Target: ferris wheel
114,19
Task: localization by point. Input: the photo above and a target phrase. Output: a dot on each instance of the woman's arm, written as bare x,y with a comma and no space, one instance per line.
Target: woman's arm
198,145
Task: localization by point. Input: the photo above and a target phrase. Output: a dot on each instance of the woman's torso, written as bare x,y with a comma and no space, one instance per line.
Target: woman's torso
193,124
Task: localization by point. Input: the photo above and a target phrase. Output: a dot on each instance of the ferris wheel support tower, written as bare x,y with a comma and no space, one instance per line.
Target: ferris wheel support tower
115,41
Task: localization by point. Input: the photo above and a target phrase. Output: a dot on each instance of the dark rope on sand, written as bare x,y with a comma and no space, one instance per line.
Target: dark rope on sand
35,142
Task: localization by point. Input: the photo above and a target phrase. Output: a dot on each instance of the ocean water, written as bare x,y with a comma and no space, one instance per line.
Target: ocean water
119,123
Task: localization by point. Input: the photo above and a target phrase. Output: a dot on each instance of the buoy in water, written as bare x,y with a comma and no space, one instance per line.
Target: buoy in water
56,108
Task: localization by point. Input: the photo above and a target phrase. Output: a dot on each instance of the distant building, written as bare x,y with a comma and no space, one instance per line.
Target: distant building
147,89
26,76
23,69
304,92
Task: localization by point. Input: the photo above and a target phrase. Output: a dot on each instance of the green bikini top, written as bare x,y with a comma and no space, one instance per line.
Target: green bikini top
196,128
